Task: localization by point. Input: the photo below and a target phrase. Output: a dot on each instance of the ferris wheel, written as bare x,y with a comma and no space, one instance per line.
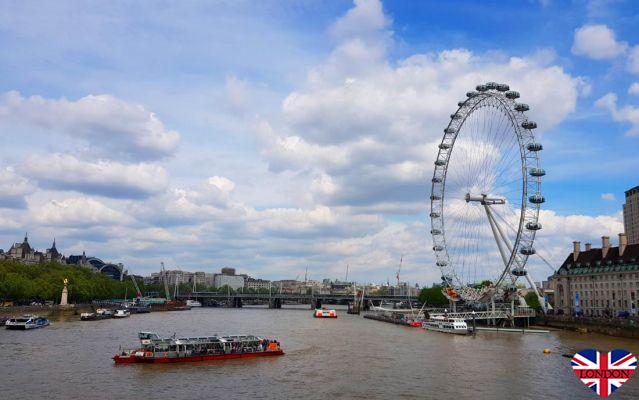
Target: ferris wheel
486,196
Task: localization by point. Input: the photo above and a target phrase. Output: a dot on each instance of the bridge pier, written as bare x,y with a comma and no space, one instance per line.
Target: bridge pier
237,302
275,303
316,304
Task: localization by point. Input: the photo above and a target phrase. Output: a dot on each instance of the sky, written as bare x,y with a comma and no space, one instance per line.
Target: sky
273,136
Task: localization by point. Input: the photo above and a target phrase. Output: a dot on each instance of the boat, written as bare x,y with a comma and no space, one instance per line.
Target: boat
87,316
26,322
170,305
448,325
104,313
122,313
155,350
324,313
138,308
193,303
100,313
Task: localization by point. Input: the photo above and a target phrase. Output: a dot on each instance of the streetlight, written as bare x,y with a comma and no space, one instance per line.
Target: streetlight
474,330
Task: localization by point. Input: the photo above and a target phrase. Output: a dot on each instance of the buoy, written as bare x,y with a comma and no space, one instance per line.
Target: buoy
546,351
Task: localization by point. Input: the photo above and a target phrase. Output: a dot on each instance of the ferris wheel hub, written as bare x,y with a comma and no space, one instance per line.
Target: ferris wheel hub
483,199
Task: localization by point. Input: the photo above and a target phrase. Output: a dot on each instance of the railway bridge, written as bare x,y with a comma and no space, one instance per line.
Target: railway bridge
275,300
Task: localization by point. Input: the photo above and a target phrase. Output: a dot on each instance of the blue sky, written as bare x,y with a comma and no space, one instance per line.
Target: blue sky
269,136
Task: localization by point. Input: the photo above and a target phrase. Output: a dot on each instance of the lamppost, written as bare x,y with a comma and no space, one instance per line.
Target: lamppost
474,330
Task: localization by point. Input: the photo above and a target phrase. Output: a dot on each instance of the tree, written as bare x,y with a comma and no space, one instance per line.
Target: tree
433,296
532,300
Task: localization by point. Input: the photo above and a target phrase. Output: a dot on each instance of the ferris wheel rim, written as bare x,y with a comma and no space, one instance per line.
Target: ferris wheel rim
492,95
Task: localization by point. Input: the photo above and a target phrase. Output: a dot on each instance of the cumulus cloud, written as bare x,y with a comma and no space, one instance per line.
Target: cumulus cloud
634,88
210,200
370,133
13,189
608,196
627,113
104,178
597,42
79,212
365,19
113,128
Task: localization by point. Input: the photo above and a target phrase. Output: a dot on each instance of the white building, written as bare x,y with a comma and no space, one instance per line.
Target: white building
235,282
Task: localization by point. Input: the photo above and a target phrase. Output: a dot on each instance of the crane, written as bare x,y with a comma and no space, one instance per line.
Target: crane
137,288
166,283
399,269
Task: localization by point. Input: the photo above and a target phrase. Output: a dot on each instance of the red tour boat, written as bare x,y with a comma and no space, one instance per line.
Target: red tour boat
154,349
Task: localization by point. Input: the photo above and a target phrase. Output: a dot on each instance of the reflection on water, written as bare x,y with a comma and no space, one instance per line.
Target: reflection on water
347,357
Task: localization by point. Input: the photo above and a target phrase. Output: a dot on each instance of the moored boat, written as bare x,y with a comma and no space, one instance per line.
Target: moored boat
123,313
324,313
154,349
87,316
100,313
26,322
193,303
447,325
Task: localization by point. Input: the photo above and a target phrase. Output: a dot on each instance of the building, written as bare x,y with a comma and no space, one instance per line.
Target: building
256,284
25,254
631,215
235,282
598,281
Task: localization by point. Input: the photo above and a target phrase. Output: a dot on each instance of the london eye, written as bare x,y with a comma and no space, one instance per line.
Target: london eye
486,195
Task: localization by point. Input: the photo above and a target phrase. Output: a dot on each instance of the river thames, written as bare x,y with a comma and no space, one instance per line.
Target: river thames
348,357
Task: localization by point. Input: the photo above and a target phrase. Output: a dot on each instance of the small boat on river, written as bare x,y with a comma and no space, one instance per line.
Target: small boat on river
26,322
447,325
98,314
122,313
154,349
324,313
193,303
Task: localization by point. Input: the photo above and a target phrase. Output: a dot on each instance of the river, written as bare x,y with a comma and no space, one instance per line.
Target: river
344,358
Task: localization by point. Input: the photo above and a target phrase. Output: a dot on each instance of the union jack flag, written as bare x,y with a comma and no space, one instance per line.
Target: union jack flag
604,372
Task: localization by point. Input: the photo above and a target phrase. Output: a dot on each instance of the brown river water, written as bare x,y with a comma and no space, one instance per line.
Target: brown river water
345,358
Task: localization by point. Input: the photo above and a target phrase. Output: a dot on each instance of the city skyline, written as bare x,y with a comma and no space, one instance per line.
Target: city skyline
305,134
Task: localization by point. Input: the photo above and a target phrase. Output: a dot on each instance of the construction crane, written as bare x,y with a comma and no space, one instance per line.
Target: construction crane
399,269
137,288
166,283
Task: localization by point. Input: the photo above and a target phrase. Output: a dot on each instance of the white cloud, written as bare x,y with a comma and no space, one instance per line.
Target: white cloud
13,189
633,60
608,196
597,42
79,212
374,131
628,113
634,88
365,19
104,178
112,127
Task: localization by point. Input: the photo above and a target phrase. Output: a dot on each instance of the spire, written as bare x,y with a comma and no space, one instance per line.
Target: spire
26,239
53,246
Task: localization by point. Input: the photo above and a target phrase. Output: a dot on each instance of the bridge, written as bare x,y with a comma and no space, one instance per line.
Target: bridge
275,300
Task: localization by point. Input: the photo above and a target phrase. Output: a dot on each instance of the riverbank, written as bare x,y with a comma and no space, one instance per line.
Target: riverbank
626,328
44,311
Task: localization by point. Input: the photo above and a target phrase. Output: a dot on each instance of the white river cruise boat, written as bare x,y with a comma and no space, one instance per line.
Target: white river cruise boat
446,325
26,322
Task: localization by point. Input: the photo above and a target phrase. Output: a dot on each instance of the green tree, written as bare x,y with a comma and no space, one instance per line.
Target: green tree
532,300
433,296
